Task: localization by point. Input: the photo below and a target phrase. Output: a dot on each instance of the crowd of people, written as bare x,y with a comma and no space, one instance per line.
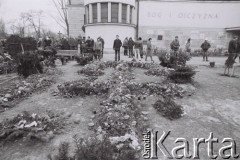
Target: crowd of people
132,49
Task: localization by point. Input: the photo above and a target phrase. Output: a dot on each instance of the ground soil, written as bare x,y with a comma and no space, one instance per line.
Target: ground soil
213,108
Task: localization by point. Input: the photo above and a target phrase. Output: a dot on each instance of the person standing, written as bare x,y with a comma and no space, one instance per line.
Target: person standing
237,49
102,40
89,45
141,48
175,46
149,49
188,47
117,44
98,49
130,47
125,46
232,50
137,47
205,46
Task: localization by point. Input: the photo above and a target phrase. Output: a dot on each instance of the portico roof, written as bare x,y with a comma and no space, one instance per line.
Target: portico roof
233,29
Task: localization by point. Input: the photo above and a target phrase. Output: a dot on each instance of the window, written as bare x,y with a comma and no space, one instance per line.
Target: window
104,12
131,11
124,13
94,9
114,12
160,37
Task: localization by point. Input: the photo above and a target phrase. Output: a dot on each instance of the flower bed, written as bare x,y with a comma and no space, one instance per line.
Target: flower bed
31,126
92,69
14,90
168,108
119,117
158,71
84,87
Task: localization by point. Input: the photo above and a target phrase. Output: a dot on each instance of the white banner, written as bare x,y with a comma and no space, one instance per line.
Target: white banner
190,14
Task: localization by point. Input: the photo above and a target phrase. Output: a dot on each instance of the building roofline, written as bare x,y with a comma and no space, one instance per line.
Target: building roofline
233,29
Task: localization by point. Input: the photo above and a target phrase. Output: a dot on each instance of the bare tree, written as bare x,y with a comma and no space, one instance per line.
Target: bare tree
61,6
34,20
3,32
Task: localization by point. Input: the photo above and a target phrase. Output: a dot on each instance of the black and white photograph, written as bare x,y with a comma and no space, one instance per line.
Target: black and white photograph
119,79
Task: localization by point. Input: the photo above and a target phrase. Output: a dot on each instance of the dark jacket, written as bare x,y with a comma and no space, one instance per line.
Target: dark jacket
130,44
117,44
205,46
238,46
175,45
90,43
102,40
232,47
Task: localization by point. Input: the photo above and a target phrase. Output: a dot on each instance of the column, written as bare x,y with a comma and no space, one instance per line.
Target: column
109,12
134,16
128,13
90,14
98,12
87,15
120,13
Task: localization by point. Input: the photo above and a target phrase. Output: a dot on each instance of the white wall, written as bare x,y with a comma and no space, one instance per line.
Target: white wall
77,1
109,32
190,14
76,20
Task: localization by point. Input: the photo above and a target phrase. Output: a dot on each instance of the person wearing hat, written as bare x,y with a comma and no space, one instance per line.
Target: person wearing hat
175,46
205,46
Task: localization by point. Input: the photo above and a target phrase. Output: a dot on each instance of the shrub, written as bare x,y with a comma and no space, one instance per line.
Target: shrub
182,74
83,60
29,63
168,108
94,149
171,61
14,42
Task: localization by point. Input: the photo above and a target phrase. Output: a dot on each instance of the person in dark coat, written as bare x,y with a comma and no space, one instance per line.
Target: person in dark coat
117,44
130,47
175,46
205,46
89,45
237,50
232,49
